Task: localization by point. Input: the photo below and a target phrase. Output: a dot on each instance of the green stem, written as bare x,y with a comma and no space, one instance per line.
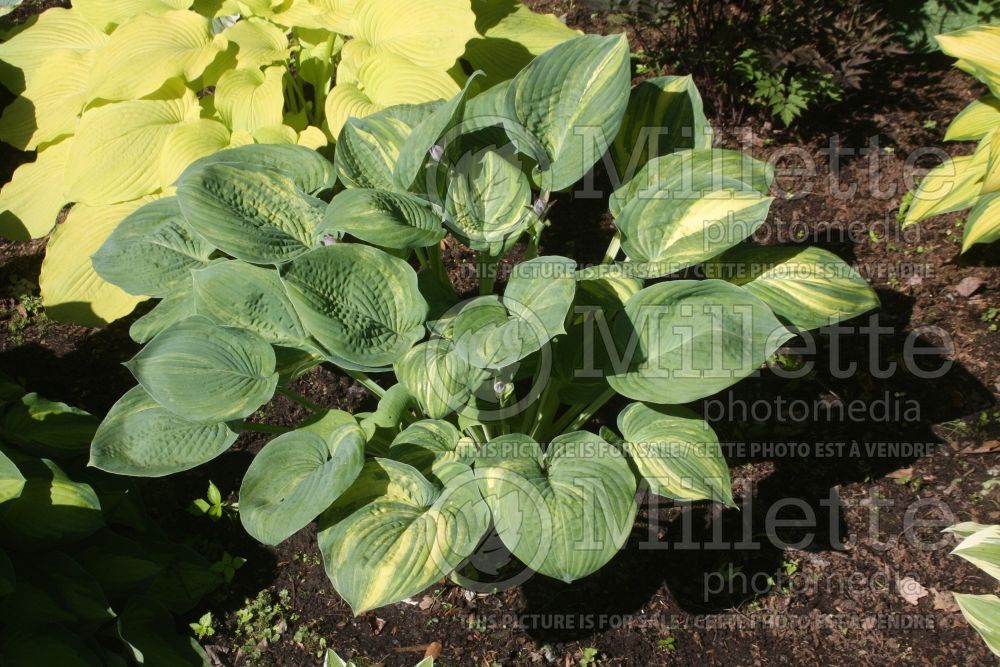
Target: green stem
548,404
264,428
365,382
434,255
422,258
301,400
590,410
568,417
487,274
613,248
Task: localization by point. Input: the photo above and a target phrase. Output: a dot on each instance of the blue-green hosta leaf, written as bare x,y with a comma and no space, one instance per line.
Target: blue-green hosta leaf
368,148
438,377
683,340
142,439
540,292
664,115
48,428
809,287
173,308
692,174
396,220
156,238
434,447
249,297
27,644
258,216
564,512
360,303
488,203
393,533
664,234
573,98
206,373
609,286
298,475
11,479
676,452
144,626
311,172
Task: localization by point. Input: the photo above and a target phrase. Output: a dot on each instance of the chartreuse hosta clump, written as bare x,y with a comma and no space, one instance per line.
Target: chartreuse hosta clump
119,97
970,180
980,545
482,402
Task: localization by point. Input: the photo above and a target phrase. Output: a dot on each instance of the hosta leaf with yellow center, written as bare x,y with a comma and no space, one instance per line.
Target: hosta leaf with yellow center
150,50
393,533
437,376
105,14
116,153
983,223
71,289
260,43
248,99
975,121
57,29
676,452
28,205
952,185
435,448
354,54
430,34
978,50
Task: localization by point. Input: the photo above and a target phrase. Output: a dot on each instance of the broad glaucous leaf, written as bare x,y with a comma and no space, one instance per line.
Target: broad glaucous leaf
308,170
173,308
393,533
299,474
396,220
48,428
434,447
565,511
676,452
143,439
207,373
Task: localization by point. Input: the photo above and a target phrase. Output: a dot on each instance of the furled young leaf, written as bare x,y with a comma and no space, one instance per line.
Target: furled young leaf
564,512
393,533
258,216
28,206
435,448
975,121
367,148
431,34
676,452
142,439
207,373
438,377
359,303
152,251
983,223
48,428
576,125
249,99
809,287
57,29
309,171
389,219
683,340
11,479
299,474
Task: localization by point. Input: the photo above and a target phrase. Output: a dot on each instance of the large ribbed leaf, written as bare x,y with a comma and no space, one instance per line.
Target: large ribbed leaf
389,219
188,142
310,171
255,215
358,302
28,207
393,533
11,479
367,148
563,512
249,99
260,43
152,251
540,291
106,14
432,34
809,287
51,508
174,308
438,377
436,448
573,98
299,474
142,439
683,340
48,428
676,452
57,29
207,373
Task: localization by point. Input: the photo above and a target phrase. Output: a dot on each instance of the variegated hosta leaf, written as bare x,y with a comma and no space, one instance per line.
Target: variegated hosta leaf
951,186
156,238
591,75
809,287
488,203
667,233
978,51
679,341
255,215
143,439
676,452
431,34
309,171
540,292
393,533
248,297
173,308
435,448
983,223
260,43
249,99
975,121
299,474
564,512
206,373
982,549
57,29
360,303
691,174
28,207
11,479
983,613
438,377
148,51
664,115
395,220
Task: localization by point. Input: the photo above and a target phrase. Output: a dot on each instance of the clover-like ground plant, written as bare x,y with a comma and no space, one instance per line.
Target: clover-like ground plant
270,261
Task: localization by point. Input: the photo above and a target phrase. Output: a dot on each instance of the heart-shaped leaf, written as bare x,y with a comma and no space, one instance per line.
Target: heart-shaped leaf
309,171
438,377
389,219
368,148
434,447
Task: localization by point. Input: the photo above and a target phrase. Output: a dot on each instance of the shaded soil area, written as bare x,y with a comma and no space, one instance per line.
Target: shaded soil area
871,460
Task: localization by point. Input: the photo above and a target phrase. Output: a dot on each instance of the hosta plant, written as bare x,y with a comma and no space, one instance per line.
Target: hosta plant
970,181
482,402
118,98
980,545
86,578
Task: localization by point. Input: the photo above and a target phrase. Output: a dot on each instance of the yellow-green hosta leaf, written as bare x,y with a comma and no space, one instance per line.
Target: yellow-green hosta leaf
564,512
393,533
950,186
975,121
207,373
676,452
249,99
982,549
807,286
275,134
28,204
116,155
354,54
188,142
142,439
389,80
395,220
57,29
983,223
300,474
978,47
991,181
105,14
983,613
148,50
260,43
312,137
71,289
335,15
431,34
438,377
346,101
11,479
